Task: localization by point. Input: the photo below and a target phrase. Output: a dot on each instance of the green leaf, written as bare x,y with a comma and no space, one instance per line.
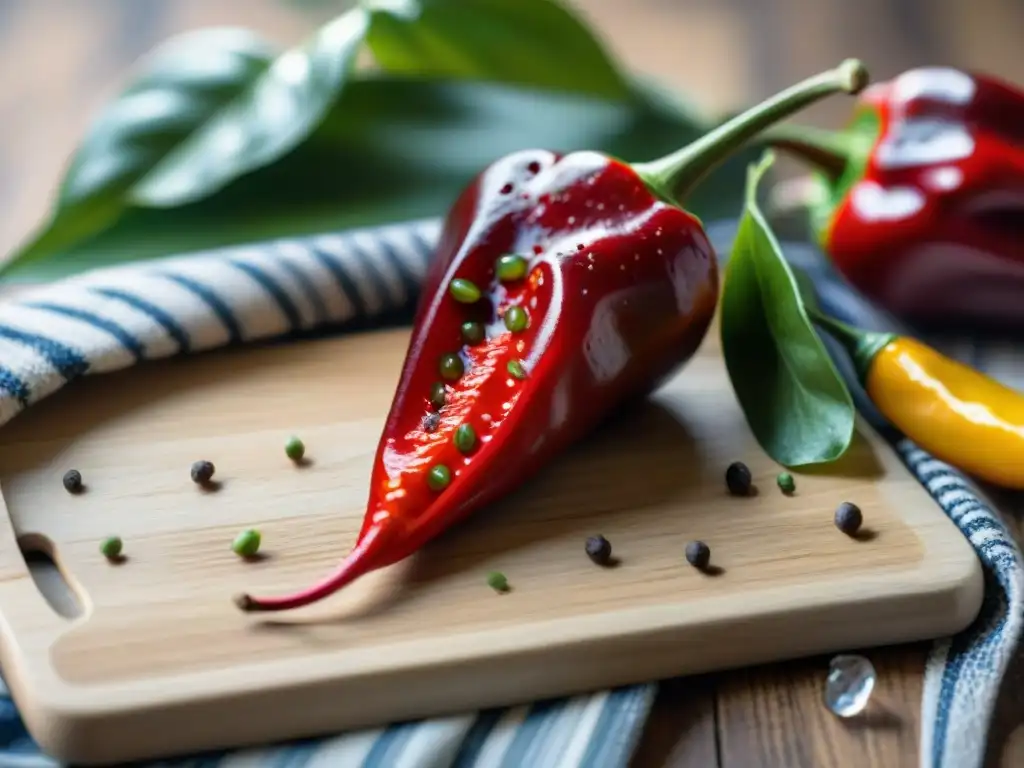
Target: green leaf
794,399
206,108
393,149
521,42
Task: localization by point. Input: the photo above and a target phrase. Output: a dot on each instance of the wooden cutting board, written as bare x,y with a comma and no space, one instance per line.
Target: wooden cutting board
160,661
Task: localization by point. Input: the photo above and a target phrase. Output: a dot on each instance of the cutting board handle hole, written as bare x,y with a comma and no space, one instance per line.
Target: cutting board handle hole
53,584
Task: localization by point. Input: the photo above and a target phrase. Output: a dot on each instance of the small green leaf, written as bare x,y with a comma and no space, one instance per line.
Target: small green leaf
392,149
521,42
795,401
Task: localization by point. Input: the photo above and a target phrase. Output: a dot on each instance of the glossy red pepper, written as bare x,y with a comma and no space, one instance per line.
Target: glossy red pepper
919,202
583,283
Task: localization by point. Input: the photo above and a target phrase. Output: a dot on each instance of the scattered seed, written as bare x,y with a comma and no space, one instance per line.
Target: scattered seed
599,549
848,518
247,543
510,268
515,369
202,472
438,477
465,438
516,319
738,479
786,482
72,481
438,394
497,581
451,367
463,291
294,449
431,422
111,547
472,333
698,554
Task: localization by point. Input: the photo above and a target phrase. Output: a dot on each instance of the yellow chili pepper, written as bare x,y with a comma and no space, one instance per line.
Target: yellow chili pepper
949,409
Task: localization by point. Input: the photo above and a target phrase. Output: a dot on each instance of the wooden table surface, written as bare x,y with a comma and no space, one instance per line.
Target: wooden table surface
62,59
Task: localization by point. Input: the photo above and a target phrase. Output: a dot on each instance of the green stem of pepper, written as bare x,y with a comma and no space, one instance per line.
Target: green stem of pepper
861,345
673,177
830,152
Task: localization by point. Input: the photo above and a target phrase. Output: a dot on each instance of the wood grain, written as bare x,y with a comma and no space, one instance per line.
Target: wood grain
160,642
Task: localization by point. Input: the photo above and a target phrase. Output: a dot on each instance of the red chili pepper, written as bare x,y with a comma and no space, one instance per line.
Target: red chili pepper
562,285
919,202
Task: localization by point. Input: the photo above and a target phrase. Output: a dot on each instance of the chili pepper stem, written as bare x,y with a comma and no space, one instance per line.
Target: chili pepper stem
364,557
674,176
861,345
828,151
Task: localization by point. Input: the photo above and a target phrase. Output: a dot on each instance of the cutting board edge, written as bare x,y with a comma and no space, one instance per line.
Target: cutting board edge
71,729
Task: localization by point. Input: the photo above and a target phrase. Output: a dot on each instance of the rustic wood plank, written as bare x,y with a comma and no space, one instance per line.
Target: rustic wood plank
681,729
774,716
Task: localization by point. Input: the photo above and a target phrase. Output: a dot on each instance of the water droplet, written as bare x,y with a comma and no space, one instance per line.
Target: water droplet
572,220
584,291
600,206
622,207
590,267
659,252
851,679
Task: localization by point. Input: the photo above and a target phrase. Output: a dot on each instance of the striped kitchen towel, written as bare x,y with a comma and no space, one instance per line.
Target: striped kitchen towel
113,318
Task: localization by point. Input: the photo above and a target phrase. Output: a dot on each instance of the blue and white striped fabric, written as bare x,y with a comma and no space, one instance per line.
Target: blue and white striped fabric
109,319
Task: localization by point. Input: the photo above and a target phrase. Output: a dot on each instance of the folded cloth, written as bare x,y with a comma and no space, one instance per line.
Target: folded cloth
109,319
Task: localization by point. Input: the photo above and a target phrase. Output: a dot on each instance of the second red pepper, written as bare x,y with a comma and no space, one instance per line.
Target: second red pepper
562,286
920,201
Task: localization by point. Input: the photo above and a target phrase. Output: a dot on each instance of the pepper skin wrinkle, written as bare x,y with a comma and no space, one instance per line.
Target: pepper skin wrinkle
952,411
922,195
619,290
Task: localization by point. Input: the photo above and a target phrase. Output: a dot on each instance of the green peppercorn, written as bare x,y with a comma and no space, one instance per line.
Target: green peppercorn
497,581
438,395
294,449
247,543
465,438
451,367
510,268
111,547
515,369
463,291
472,333
786,483
516,319
438,477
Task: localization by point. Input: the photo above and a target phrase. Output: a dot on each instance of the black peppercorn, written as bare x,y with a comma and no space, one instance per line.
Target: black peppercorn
599,549
848,518
738,479
72,481
431,422
698,554
202,472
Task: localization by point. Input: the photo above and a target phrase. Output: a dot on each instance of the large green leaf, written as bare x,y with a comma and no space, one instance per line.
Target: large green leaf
521,42
794,399
394,149
204,108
